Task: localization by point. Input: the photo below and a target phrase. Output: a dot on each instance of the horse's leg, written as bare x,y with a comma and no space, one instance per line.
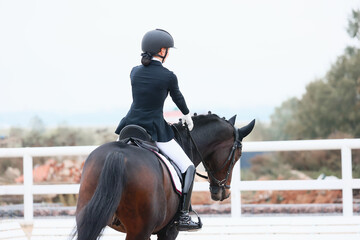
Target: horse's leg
89,181
168,233
148,201
139,220
140,227
140,209
137,237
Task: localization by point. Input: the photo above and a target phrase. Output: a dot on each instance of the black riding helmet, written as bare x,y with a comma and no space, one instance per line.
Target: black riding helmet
154,40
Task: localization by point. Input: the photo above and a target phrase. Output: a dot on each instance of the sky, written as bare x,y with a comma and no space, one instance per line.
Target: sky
69,61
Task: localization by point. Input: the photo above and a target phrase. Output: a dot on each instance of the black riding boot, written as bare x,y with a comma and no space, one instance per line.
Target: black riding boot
184,222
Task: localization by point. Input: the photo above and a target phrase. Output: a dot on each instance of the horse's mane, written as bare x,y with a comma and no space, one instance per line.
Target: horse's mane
203,121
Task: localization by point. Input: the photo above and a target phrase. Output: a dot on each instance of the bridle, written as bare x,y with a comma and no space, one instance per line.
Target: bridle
220,184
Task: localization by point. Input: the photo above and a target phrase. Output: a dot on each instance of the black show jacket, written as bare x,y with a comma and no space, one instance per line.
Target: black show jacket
150,86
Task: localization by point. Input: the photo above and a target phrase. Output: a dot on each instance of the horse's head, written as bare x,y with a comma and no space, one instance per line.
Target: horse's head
220,143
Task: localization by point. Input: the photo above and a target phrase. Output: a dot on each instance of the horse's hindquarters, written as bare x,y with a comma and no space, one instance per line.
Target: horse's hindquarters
147,203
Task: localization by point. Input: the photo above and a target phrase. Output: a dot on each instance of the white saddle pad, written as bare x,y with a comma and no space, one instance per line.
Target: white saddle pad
174,177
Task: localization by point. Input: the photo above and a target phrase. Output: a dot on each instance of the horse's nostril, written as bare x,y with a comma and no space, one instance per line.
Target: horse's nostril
216,196
225,195
228,195
214,190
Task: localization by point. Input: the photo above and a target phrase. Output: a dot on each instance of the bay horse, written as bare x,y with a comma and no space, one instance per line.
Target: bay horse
128,189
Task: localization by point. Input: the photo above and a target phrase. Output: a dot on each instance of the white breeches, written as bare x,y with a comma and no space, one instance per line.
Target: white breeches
176,153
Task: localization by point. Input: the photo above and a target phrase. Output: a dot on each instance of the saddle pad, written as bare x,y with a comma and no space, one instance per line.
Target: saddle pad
173,175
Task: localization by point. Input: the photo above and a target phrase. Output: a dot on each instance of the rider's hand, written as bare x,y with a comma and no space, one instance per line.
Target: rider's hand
188,120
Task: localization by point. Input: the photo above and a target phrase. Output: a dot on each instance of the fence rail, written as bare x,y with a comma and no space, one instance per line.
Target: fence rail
346,184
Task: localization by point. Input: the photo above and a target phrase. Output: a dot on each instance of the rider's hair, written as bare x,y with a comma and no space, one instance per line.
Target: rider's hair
146,58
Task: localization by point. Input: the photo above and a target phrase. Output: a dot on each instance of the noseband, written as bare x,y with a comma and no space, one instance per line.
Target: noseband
220,184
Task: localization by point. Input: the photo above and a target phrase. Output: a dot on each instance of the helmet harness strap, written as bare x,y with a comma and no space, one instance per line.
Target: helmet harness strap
163,57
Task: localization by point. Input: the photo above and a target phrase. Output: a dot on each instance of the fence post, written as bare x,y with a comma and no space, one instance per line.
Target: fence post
235,191
28,188
346,174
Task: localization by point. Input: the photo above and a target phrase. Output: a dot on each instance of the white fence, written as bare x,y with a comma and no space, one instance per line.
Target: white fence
346,184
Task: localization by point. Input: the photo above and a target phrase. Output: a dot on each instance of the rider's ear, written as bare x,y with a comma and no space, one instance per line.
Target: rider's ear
232,120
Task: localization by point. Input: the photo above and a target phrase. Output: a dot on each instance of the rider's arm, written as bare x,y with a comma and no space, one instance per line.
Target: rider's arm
177,96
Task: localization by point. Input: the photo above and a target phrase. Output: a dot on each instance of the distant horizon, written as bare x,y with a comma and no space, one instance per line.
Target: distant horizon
110,118
68,62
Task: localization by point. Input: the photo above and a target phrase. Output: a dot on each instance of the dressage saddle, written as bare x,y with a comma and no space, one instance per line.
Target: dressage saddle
131,133
138,136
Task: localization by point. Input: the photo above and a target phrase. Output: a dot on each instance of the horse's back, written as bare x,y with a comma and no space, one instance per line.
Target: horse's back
134,158
98,155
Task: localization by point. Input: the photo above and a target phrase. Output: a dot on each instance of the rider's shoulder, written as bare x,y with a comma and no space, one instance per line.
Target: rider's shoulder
163,70
136,68
169,72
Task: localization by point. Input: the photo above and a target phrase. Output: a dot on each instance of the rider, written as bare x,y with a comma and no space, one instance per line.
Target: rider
151,83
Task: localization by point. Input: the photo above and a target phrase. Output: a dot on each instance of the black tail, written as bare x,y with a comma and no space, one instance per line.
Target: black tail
97,213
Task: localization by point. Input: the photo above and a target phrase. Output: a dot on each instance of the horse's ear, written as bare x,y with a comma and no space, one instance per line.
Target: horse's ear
232,120
244,131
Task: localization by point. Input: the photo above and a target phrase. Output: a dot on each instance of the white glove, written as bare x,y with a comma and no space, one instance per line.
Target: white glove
187,119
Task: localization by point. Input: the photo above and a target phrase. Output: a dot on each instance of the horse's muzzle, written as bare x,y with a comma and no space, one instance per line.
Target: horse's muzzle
219,193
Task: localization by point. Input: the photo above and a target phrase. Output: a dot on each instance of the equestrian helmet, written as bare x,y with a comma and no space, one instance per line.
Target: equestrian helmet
154,40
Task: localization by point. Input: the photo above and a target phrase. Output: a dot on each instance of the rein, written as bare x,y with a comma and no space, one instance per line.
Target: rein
197,150
220,183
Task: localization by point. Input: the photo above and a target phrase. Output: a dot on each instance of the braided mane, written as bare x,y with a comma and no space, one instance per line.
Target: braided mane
209,126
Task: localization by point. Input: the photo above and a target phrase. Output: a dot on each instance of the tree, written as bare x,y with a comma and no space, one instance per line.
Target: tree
330,105
283,123
330,108
354,24
35,138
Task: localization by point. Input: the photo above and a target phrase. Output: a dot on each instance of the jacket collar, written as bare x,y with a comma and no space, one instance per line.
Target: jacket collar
156,62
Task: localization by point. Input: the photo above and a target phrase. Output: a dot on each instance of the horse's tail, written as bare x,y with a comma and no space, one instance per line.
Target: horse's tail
97,213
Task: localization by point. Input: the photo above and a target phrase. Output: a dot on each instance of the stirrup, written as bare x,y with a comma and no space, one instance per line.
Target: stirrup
189,225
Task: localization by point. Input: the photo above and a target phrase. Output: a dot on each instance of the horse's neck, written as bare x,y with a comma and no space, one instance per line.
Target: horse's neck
187,145
203,143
